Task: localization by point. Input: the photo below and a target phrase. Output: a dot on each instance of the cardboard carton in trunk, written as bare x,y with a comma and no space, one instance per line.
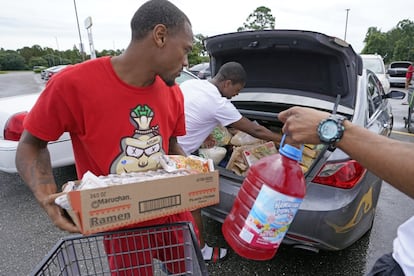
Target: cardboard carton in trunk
114,207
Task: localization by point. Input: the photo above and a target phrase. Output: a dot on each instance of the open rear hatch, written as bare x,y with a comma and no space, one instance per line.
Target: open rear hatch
287,68
290,67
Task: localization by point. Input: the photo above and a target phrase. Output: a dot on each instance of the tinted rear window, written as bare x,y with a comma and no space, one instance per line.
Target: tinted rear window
399,65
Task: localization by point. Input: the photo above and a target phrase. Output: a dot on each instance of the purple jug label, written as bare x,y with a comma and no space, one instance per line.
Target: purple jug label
270,218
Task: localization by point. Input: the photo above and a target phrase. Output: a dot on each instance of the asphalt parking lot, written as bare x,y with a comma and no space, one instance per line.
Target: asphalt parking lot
27,235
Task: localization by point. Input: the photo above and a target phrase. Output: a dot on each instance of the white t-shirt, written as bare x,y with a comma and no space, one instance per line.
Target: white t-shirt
403,251
204,108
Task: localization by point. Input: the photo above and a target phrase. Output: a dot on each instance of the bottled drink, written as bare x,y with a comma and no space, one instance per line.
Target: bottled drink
266,204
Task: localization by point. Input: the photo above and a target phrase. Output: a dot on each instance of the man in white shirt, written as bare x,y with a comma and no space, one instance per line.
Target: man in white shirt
206,105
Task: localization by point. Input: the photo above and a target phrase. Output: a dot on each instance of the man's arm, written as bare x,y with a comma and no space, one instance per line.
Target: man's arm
389,159
256,130
34,166
175,148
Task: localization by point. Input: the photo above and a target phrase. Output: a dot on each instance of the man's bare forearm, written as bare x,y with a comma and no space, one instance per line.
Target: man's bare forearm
265,134
389,159
175,148
34,166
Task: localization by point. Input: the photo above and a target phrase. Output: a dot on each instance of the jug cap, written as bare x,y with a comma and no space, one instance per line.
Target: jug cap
290,151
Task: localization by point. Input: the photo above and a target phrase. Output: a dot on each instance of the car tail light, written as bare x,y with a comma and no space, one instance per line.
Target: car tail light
341,175
14,126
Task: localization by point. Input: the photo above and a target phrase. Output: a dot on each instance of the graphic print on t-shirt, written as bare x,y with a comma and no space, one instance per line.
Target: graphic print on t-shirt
141,151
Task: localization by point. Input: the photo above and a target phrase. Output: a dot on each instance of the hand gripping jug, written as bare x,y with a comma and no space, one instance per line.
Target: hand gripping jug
266,204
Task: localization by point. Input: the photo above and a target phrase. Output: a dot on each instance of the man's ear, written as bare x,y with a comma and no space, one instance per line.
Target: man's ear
227,83
160,35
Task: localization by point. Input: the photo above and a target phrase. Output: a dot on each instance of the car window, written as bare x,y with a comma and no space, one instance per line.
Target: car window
375,94
373,64
184,76
400,64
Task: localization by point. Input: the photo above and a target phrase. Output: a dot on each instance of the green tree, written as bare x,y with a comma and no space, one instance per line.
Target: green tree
260,19
26,53
396,44
376,42
37,61
108,53
10,60
198,53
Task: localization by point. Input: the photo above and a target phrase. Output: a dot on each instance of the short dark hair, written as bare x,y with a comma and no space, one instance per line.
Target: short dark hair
154,12
233,71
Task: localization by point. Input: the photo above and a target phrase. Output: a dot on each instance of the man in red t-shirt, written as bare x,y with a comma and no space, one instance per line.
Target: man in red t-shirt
110,106
409,76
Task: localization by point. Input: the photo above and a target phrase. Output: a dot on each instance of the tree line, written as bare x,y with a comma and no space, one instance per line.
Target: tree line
27,58
395,44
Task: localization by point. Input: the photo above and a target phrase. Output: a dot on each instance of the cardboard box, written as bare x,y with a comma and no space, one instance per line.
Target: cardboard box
114,207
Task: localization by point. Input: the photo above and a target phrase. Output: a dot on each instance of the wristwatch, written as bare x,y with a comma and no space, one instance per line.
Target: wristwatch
330,130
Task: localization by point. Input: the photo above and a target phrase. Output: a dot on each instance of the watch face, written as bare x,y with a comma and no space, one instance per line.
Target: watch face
329,129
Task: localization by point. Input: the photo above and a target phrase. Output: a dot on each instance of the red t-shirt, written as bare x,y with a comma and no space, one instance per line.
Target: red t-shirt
114,127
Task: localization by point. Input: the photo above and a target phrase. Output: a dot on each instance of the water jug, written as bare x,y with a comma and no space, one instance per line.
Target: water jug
266,204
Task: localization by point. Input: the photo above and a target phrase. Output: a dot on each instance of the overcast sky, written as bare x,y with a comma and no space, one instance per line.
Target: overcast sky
52,23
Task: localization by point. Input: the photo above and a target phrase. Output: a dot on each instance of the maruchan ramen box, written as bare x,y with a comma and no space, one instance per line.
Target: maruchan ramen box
117,206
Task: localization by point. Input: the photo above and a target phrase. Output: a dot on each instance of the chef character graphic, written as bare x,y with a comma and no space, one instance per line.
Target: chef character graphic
142,151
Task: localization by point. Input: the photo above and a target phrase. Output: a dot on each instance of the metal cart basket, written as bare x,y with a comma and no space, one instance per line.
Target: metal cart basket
170,249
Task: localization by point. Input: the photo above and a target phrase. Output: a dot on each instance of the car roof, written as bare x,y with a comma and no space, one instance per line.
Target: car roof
371,56
200,66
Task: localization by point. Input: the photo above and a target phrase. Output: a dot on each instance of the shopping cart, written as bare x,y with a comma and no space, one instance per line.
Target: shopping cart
170,249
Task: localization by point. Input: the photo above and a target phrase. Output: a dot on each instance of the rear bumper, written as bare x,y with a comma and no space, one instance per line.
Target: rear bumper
332,221
397,81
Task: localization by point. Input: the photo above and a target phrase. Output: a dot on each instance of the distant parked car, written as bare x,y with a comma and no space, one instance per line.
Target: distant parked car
14,109
201,70
38,69
288,68
50,72
396,71
47,73
375,63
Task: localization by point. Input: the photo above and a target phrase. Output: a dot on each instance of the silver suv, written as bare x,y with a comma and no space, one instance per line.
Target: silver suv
396,71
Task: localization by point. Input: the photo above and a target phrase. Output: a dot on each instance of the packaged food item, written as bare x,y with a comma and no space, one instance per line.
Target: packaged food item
220,135
172,163
215,153
237,163
242,138
255,153
311,151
